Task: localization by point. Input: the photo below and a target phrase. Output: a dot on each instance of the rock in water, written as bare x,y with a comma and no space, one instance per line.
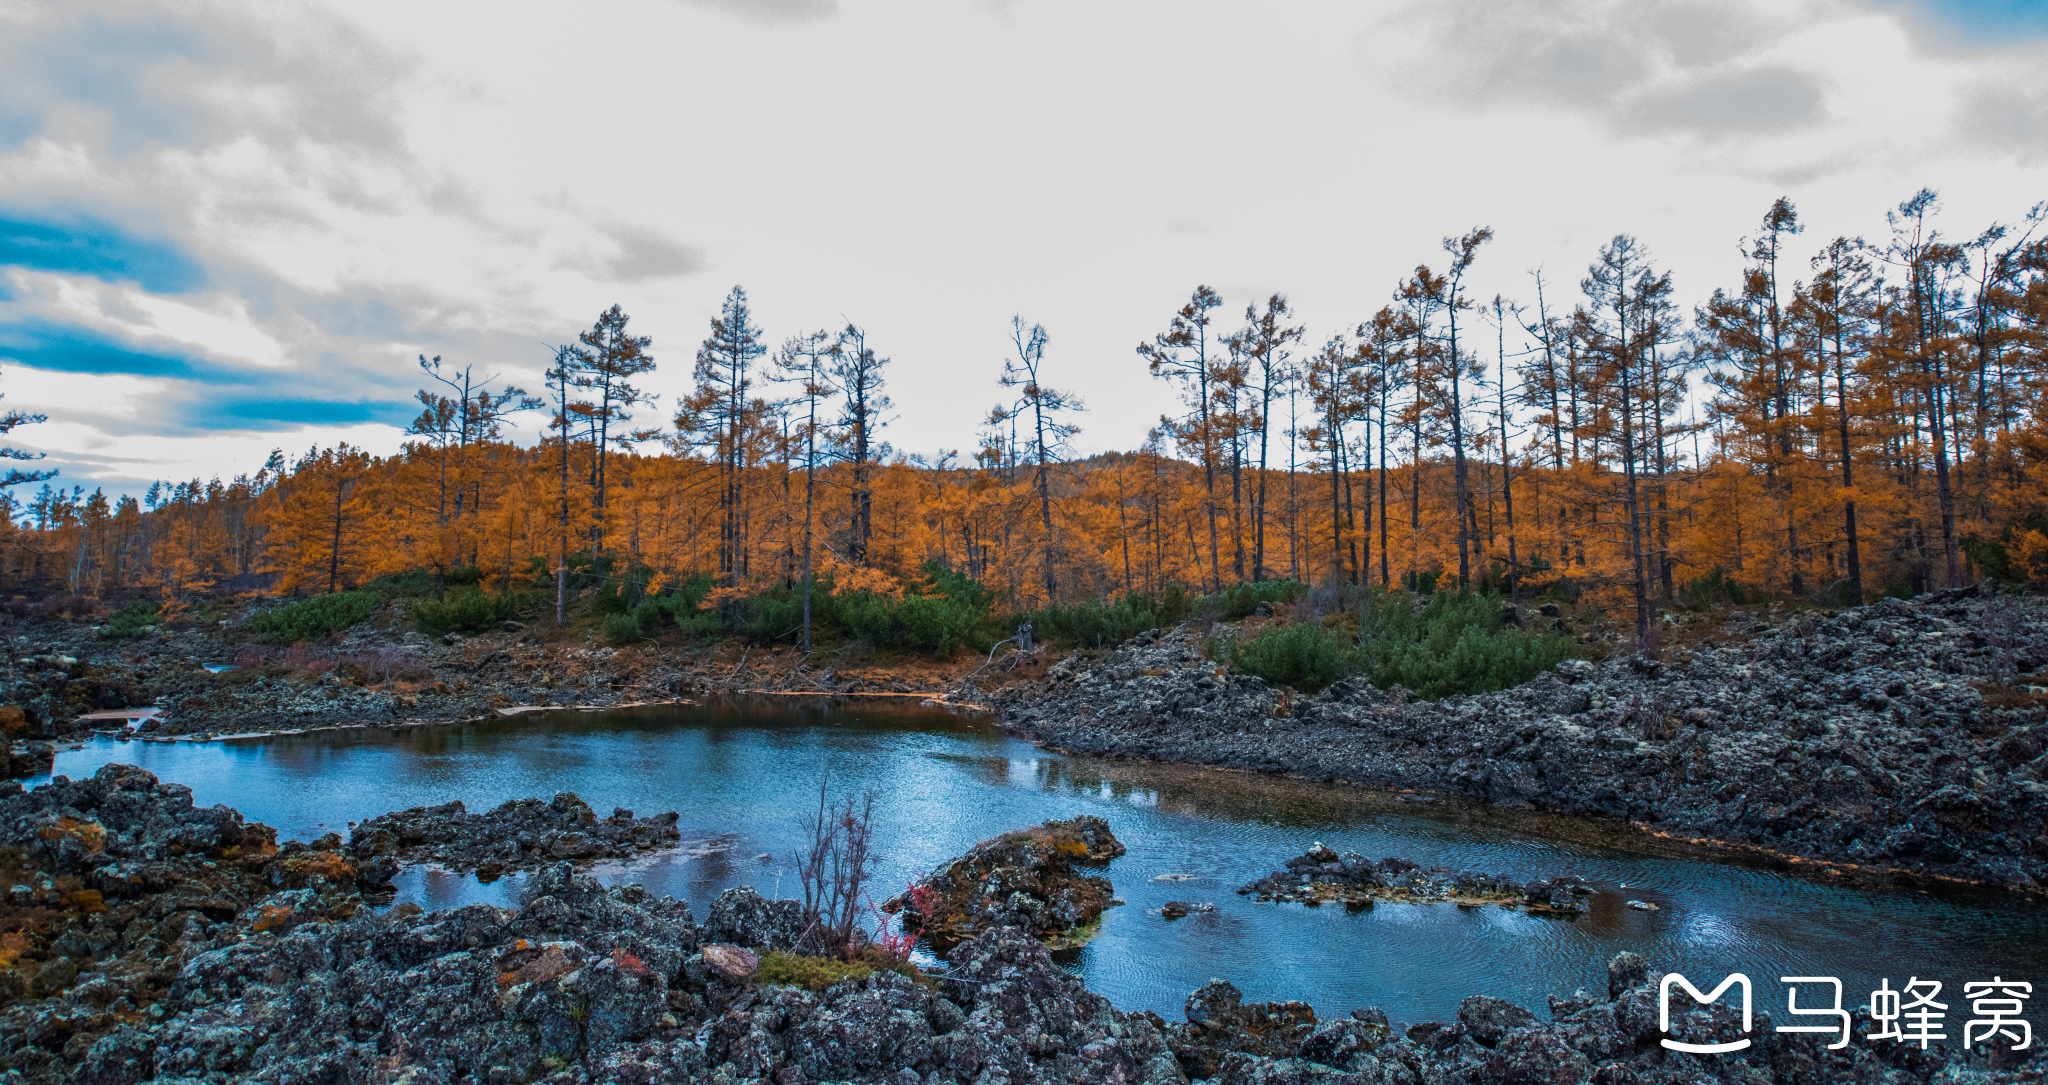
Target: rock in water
522,834
1323,876
1025,879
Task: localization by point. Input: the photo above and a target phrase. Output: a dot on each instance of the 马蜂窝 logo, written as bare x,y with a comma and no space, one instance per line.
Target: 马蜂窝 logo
1908,1016
1664,1011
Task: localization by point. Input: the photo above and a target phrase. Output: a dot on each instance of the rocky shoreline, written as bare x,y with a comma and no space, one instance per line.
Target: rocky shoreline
1861,739
206,682
212,954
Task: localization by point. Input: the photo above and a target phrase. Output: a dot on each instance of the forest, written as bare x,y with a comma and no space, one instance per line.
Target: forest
1867,421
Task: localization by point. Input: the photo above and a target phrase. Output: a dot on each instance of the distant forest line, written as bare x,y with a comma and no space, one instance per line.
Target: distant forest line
1871,420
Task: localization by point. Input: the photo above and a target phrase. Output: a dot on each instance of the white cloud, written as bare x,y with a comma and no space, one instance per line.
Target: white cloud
127,462
214,326
771,12
378,179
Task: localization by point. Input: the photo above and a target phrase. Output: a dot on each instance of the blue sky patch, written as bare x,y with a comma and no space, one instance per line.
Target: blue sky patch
1985,21
261,413
70,350
100,250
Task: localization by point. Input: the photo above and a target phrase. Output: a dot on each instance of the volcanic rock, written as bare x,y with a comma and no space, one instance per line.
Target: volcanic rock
1026,879
27,759
522,834
1874,736
1323,876
730,961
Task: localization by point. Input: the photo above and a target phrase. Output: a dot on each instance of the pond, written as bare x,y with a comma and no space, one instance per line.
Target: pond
741,772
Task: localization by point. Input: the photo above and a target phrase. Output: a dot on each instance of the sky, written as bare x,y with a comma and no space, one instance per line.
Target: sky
232,227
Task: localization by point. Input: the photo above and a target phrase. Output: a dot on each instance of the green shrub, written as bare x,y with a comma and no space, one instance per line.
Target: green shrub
780,968
134,620
620,630
778,612
1091,624
1456,643
938,615
1715,587
419,583
465,610
1303,655
650,616
613,597
705,624
1422,582
1243,600
412,583
311,619
937,624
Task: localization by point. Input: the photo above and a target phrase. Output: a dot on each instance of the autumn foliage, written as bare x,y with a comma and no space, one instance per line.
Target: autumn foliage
1870,420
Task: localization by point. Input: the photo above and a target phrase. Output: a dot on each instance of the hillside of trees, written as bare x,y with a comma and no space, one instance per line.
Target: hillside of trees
1868,421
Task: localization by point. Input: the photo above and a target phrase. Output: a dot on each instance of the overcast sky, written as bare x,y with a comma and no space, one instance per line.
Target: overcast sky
231,227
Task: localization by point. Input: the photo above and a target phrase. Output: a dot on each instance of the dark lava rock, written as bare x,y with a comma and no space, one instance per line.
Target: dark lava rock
522,834
1026,879
111,883
1487,1019
1862,738
1221,1023
51,690
27,759
1323,876
744,917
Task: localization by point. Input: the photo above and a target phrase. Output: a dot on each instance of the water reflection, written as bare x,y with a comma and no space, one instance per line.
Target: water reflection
742,773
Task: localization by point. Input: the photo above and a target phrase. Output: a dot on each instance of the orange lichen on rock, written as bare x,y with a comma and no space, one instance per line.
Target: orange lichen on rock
302,869
91,834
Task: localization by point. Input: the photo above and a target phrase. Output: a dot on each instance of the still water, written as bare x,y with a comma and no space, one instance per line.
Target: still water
741,772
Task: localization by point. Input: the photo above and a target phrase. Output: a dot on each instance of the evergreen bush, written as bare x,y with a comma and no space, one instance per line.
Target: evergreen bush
1456,643
134,620
311,619
620,630
1091,624
1243,600
465,610
1435,646
1304,655
705,624
1715,587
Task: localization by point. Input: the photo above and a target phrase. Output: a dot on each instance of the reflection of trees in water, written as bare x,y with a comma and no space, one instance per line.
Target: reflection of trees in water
1188,791
1087,777
994,771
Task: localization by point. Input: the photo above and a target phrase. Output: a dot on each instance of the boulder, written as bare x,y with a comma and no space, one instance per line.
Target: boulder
1028,879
